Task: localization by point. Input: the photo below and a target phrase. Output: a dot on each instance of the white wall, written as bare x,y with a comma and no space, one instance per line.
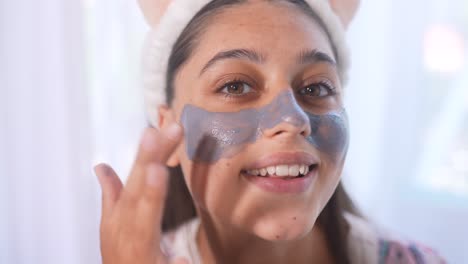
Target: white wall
48,195
409,121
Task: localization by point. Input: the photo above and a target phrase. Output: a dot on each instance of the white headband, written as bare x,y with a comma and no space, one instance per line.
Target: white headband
160,40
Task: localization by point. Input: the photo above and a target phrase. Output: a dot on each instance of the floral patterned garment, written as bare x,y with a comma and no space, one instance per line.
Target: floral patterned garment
366,244
369,244
394,252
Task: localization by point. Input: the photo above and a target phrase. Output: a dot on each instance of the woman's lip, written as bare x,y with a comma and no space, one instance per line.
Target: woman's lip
283,158
281,185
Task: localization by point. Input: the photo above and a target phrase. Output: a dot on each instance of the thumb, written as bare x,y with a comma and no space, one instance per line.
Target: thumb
111,186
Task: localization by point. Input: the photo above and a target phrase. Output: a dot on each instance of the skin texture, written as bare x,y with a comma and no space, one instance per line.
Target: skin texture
240,222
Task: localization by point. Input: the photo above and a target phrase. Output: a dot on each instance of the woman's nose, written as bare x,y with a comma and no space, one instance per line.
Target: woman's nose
284,116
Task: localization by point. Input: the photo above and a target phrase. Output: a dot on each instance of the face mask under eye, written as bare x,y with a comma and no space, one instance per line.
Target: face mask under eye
319,89
236,88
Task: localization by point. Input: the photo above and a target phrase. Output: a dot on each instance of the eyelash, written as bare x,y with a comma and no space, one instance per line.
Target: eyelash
331,90
231,82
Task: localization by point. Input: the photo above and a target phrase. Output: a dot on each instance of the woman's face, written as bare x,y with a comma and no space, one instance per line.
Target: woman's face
260,95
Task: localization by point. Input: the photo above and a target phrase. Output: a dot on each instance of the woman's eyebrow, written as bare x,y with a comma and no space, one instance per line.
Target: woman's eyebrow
243,54
314,56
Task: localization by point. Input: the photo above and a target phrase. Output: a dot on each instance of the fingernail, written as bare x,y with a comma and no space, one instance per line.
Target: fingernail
174,131
154,174
100,169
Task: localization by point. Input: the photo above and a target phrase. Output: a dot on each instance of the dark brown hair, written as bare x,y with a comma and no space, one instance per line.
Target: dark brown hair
179,205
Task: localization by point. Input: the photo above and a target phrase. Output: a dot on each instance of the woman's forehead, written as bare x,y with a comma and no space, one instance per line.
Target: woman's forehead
272,30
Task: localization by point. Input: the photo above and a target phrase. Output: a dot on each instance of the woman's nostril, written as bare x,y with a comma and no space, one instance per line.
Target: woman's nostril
285,128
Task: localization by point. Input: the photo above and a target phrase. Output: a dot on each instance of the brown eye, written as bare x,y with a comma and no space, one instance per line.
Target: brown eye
317,90
236,88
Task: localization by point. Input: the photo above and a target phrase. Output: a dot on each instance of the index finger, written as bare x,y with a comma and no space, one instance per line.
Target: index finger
156,147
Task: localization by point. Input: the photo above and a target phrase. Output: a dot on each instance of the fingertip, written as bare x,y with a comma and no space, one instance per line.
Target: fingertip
110,183
101,170
97,168
149,139
174,131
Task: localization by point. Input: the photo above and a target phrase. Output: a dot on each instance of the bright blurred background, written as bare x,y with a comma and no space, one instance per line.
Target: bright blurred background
70,97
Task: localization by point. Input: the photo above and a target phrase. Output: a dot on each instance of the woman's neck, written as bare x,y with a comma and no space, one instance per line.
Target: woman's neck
223,244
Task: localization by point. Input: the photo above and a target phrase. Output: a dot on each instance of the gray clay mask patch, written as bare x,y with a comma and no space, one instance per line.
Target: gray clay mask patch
210,136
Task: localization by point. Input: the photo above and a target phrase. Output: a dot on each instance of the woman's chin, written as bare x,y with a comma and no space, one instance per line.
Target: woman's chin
293,228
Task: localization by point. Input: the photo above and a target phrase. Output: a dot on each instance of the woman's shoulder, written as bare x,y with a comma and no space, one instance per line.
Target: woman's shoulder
368,243
181,242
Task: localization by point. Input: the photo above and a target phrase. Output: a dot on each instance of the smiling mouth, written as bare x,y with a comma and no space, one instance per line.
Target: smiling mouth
283,165
284,171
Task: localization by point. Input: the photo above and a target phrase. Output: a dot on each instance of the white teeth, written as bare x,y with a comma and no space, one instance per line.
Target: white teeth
302,169
282,170
271,170
294,170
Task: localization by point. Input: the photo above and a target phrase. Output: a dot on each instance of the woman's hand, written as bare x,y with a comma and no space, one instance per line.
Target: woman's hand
131,214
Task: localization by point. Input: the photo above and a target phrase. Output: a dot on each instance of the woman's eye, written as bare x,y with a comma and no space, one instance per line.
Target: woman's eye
317,90
236,88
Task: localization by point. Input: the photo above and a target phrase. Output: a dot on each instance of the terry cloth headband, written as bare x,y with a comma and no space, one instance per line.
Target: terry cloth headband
161,38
